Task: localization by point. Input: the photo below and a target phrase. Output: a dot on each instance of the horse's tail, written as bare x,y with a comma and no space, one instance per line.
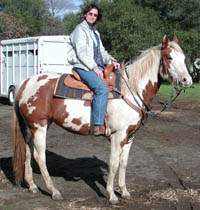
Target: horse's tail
18,127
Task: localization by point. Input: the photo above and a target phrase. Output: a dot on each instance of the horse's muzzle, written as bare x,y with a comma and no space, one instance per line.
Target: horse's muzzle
185,81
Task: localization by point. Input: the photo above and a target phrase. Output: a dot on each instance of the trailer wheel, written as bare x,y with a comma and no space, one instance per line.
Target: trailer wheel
11,95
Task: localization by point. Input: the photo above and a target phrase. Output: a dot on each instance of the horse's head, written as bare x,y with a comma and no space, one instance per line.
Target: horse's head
172,66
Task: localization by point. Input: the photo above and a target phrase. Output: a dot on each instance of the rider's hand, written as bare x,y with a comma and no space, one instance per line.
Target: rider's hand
116,65
99,73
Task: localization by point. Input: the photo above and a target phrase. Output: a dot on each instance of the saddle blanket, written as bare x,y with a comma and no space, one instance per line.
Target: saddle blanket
63,91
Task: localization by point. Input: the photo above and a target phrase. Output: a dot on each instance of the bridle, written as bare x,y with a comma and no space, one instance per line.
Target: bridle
164,67
145,109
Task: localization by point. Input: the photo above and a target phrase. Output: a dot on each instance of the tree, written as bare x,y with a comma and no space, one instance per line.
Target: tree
11,28
53,26
70,21
182,13
32,13
189,41
129,28
183,19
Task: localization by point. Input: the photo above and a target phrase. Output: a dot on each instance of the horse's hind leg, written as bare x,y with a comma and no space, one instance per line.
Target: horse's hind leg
122,170
28,174
39,149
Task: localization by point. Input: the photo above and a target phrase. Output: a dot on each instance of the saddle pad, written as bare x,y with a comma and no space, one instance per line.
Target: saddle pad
63,91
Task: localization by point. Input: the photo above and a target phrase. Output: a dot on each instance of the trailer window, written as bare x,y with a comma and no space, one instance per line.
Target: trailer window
32,51
10,53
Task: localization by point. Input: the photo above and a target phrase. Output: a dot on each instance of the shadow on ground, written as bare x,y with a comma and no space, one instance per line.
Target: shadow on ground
89,170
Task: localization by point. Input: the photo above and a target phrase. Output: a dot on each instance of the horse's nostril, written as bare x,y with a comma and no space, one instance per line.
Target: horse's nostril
184,80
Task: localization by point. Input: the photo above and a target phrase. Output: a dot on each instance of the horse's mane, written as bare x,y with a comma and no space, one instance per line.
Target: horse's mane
146,63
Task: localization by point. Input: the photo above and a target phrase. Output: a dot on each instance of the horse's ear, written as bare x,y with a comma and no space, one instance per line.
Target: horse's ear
175,39
165,42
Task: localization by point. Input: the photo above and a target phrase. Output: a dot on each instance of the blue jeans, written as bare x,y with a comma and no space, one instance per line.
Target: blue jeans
100,94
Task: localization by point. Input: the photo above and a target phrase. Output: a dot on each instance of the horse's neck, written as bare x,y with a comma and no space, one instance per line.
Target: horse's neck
143,76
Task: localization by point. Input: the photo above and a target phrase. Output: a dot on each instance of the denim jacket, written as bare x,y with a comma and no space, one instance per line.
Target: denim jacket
83,43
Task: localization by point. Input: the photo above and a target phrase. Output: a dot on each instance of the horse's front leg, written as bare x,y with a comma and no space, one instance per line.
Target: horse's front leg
113,166
122,170
39,149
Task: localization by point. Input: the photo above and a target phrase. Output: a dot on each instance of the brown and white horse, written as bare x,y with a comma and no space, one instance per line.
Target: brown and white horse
36,108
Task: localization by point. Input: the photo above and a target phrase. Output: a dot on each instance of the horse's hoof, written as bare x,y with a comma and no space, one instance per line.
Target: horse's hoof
114,202
34,190
57,197
127,197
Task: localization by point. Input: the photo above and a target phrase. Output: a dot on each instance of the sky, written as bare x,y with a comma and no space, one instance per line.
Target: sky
77,3
68,6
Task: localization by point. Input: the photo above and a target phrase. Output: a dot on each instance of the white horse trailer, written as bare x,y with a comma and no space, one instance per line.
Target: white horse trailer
24,57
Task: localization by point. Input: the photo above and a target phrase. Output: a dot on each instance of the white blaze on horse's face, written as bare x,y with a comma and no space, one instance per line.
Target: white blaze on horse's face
178,69
173,63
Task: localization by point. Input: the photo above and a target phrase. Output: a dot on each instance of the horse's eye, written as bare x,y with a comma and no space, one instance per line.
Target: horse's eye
169,57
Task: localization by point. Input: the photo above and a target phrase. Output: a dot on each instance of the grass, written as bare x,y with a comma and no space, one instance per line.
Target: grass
190,93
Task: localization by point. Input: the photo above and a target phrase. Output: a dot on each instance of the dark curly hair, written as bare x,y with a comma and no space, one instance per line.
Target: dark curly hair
90,7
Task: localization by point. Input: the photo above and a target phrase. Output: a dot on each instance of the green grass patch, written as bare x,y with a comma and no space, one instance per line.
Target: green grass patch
190,93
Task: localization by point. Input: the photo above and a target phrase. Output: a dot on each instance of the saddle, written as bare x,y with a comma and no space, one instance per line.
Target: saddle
74,81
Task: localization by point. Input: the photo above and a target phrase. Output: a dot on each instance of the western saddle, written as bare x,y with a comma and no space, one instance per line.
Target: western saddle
74,80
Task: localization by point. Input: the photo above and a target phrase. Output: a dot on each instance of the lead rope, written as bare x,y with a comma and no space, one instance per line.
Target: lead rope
171,99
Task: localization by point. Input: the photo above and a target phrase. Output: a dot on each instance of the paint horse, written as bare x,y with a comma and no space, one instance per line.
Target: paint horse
36,108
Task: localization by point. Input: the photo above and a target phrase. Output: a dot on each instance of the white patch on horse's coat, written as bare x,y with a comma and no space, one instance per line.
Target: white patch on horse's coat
151,76
148,76
40,136
121,120
76,111
32,87
30,108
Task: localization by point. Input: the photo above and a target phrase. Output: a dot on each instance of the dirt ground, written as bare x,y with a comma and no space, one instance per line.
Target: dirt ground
163,171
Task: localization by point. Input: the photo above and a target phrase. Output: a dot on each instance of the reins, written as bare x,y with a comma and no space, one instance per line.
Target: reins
147,109
144,111
118,71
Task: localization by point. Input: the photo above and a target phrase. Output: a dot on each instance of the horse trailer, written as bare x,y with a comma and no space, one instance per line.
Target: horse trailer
24,57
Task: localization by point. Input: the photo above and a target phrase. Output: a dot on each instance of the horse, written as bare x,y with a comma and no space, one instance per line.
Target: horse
36,108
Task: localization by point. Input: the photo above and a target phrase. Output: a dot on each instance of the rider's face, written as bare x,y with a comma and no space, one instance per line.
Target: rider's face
91,16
